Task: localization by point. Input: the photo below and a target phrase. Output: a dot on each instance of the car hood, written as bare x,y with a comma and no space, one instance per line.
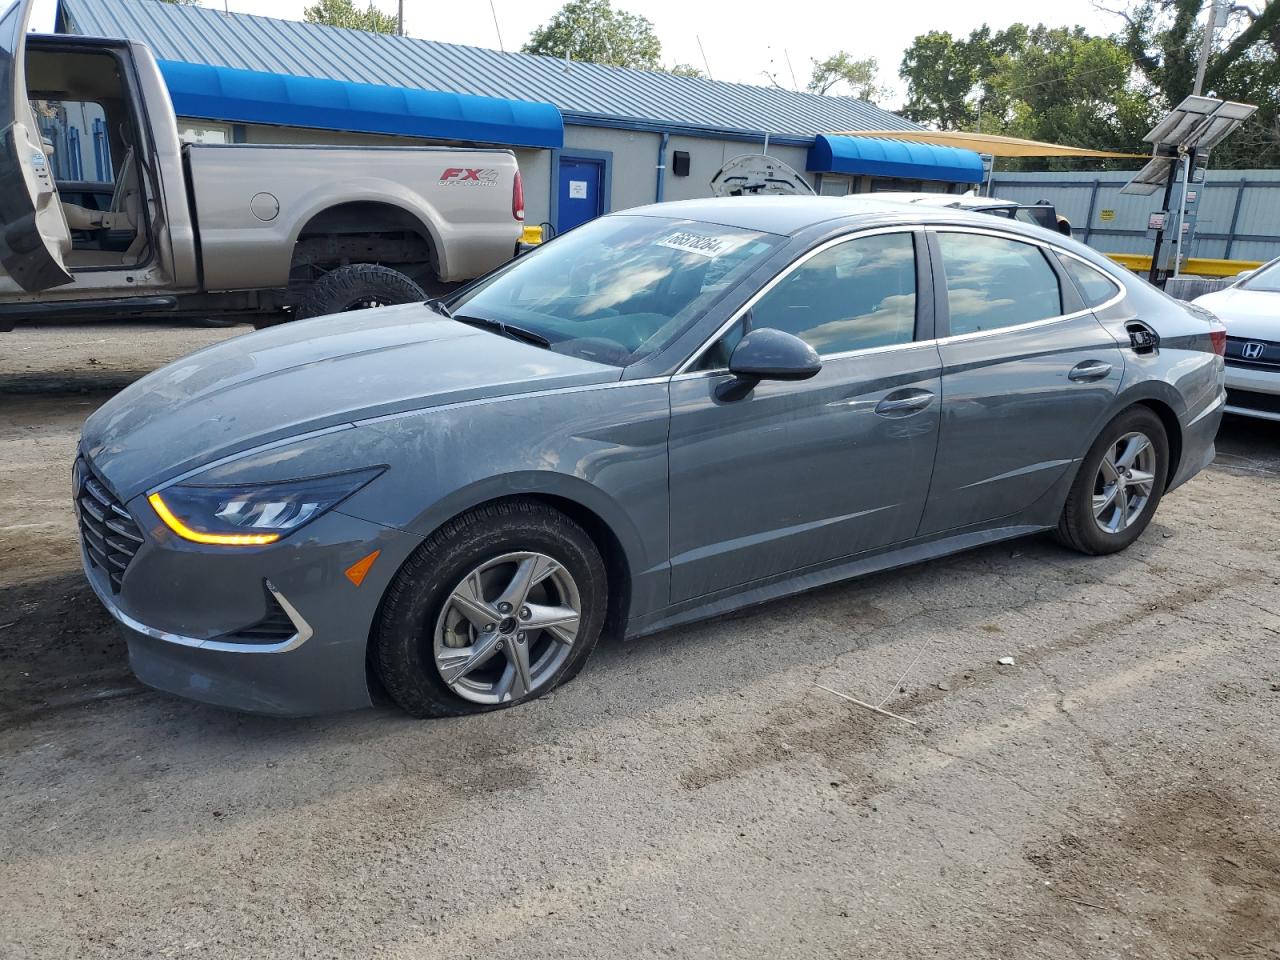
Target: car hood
1252,314
306,376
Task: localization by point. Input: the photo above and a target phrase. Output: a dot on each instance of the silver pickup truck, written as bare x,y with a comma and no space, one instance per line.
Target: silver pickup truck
234,231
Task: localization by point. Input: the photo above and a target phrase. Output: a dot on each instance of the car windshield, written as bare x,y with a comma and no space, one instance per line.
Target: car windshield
618,288
1266,278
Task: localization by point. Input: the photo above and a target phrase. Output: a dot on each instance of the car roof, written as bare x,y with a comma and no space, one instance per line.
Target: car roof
790,215
964,201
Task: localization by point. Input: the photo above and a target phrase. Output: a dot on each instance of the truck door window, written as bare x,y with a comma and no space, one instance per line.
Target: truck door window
75,137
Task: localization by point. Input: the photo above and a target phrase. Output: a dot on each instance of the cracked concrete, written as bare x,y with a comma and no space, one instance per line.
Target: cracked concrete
1113,794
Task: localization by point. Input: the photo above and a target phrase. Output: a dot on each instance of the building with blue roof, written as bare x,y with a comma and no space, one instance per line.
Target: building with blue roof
589,138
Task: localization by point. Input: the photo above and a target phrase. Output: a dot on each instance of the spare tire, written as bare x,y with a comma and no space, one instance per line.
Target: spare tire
357,286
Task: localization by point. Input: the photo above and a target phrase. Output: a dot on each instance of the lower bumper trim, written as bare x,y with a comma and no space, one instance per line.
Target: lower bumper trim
301,636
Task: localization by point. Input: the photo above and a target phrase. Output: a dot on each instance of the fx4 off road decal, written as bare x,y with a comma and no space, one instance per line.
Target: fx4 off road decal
468,177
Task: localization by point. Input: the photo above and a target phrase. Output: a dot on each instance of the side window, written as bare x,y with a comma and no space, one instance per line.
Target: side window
993,282
75,137
1095,287
852,296
855,295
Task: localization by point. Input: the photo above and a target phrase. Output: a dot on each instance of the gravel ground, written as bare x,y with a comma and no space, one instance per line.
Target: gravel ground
1114,793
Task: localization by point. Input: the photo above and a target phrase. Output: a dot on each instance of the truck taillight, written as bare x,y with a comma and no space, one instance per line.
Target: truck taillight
1218,336
517,197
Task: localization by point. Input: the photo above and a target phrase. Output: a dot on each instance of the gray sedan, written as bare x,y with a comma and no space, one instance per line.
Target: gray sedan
663,415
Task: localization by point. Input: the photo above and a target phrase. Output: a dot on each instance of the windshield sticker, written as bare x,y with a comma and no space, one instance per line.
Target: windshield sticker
710,247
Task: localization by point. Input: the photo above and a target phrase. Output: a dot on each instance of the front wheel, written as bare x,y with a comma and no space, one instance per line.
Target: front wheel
497,607
357,286
1119,485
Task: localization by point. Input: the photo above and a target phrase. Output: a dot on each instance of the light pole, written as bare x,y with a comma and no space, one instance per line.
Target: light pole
1217,13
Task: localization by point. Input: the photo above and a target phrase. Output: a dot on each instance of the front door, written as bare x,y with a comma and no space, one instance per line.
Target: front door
794,475
1024,383
34,237
580,192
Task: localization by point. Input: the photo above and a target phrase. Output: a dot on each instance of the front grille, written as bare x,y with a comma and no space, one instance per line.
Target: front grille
1251,400
109,535
1254,354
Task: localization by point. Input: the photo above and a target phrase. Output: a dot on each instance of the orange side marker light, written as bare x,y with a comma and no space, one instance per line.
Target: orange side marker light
360,569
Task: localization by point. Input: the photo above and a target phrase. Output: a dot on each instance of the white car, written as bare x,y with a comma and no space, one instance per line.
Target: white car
1250,308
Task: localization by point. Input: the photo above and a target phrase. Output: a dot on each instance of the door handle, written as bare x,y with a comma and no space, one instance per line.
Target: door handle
1089,370
904,403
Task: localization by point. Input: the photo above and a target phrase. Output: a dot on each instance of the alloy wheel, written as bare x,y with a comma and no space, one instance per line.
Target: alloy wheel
507,627
1124,482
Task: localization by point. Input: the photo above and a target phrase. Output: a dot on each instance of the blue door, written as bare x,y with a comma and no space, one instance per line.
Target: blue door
581,192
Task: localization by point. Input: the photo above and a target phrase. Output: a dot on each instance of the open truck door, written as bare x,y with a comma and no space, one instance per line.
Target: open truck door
34,237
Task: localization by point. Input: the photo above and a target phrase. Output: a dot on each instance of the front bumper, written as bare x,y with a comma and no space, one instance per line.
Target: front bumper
1253,392
183,607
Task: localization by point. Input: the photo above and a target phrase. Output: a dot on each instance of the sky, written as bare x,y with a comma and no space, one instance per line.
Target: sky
743,42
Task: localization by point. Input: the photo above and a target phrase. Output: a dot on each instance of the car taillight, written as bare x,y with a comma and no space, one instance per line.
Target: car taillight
517,197
1218,335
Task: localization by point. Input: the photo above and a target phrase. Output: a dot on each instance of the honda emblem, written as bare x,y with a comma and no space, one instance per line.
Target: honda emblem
1252,350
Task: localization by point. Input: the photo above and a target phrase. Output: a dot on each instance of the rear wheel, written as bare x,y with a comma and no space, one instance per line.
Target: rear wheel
358,286
1119,485
497,607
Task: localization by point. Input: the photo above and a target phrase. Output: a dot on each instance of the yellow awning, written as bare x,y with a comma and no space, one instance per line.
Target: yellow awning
990,143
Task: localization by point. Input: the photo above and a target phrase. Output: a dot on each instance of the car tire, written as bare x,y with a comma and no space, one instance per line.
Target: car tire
1121,519
357,286
419,606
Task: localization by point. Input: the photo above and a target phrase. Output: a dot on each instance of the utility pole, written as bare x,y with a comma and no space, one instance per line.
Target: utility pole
1217,11
400,20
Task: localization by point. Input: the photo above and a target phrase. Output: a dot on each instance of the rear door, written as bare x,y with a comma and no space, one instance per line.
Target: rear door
1027,377
34,238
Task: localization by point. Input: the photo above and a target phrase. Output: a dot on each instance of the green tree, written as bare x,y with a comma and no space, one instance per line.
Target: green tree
1055,84
593,32
857,75
683,70
344,13
1163,38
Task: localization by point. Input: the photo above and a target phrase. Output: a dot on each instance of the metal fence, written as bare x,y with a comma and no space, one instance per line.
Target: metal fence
1239,210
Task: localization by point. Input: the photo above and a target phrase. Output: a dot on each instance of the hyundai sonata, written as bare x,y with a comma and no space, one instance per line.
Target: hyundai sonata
663,415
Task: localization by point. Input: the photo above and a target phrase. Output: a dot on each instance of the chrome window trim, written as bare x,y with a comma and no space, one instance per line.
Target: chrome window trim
782,275
1120,288
979,334
865,351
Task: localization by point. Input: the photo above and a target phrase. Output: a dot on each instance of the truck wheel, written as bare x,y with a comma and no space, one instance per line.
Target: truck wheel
357,287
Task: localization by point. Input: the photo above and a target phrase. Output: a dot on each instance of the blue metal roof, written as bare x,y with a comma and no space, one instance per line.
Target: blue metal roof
882,157
250,96
585,93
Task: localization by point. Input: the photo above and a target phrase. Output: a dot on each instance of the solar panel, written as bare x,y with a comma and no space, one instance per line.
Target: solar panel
1196,124
1150,178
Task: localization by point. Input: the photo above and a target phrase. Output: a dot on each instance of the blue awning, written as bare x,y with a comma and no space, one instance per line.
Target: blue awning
206,92
881,157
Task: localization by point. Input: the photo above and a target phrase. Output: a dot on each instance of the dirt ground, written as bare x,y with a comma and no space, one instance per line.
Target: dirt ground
1113,794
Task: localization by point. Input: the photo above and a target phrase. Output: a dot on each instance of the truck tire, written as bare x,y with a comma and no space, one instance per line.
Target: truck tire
357,287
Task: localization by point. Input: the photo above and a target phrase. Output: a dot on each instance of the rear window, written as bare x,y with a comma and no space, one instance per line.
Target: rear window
618,288
1095,287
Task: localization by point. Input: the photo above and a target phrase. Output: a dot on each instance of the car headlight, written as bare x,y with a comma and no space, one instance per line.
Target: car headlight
252,514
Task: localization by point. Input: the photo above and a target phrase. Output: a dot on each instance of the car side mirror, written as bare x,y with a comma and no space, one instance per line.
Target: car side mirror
768,354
